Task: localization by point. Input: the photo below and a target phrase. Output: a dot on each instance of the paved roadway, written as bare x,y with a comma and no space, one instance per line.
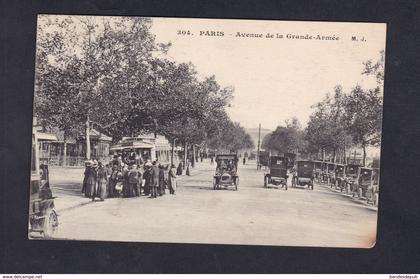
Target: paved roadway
197,214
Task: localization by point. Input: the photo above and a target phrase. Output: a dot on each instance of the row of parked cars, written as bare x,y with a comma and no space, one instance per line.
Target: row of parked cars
362,182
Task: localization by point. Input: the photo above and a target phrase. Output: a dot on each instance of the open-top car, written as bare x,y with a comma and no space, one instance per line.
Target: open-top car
42,216
277,172
339,177
324,172
304,174
330,172
363,183
375,187
351,175
226,171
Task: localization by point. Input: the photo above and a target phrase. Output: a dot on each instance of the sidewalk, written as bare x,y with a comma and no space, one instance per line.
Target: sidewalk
67,183
358,200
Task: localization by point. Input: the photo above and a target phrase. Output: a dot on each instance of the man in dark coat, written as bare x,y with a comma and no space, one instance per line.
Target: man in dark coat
161,188
147,176
179,169
155,179
133,180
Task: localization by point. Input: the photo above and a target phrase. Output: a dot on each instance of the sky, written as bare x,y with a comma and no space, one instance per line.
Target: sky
274,78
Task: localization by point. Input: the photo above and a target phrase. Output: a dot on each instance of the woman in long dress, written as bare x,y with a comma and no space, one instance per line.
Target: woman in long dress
102,181
90,182
179,169
172,180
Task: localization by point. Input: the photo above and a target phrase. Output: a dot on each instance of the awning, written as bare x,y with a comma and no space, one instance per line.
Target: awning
133,145
46,136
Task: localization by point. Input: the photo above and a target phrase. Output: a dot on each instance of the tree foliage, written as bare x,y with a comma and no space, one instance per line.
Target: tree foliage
111,72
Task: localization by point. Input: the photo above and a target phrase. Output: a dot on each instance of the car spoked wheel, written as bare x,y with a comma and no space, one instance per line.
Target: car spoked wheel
50,223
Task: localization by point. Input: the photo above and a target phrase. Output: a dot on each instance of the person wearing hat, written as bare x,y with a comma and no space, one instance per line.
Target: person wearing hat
133,181
87,166
155,179
172,180
91,177
102,179
161,188
147,176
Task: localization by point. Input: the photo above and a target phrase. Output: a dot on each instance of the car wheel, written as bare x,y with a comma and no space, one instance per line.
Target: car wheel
50,223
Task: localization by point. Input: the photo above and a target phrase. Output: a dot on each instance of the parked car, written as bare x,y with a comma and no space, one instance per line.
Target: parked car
339,177
42,216
304,174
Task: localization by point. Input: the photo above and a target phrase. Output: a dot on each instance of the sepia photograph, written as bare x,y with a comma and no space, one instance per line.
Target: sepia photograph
207,131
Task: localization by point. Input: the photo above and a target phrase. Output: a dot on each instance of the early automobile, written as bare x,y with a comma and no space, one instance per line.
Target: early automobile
226,171
339,177
351,175
375,187
324,172
304,174
363,183
42,216
263,159
277,172
318,170
330,172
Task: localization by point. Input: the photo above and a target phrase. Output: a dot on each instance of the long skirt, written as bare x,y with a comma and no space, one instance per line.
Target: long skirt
172,185
101,190
90,188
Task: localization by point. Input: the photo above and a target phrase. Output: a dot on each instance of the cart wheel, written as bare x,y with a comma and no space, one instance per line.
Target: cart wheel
50,223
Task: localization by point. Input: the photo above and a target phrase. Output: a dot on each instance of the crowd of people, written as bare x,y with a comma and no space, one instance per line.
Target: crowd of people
127,178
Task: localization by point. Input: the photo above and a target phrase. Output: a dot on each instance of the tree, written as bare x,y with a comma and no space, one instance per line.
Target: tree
79,63
364,117
285,139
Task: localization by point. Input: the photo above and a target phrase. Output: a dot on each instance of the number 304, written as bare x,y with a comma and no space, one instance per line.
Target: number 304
183,32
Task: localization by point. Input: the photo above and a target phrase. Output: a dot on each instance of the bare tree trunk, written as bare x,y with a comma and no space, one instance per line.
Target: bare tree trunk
193,156
65,152
87,139
344,154
334,155
364,154
185,154
172,154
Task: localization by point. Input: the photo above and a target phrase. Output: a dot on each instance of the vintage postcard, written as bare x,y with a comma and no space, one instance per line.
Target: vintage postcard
210,131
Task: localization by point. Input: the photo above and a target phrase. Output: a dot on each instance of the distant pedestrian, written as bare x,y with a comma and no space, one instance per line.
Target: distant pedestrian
172,180
147,177
133,181
112,181
179,169
155,179
161,189
244,160
102,179
211,160
86,174
92,182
